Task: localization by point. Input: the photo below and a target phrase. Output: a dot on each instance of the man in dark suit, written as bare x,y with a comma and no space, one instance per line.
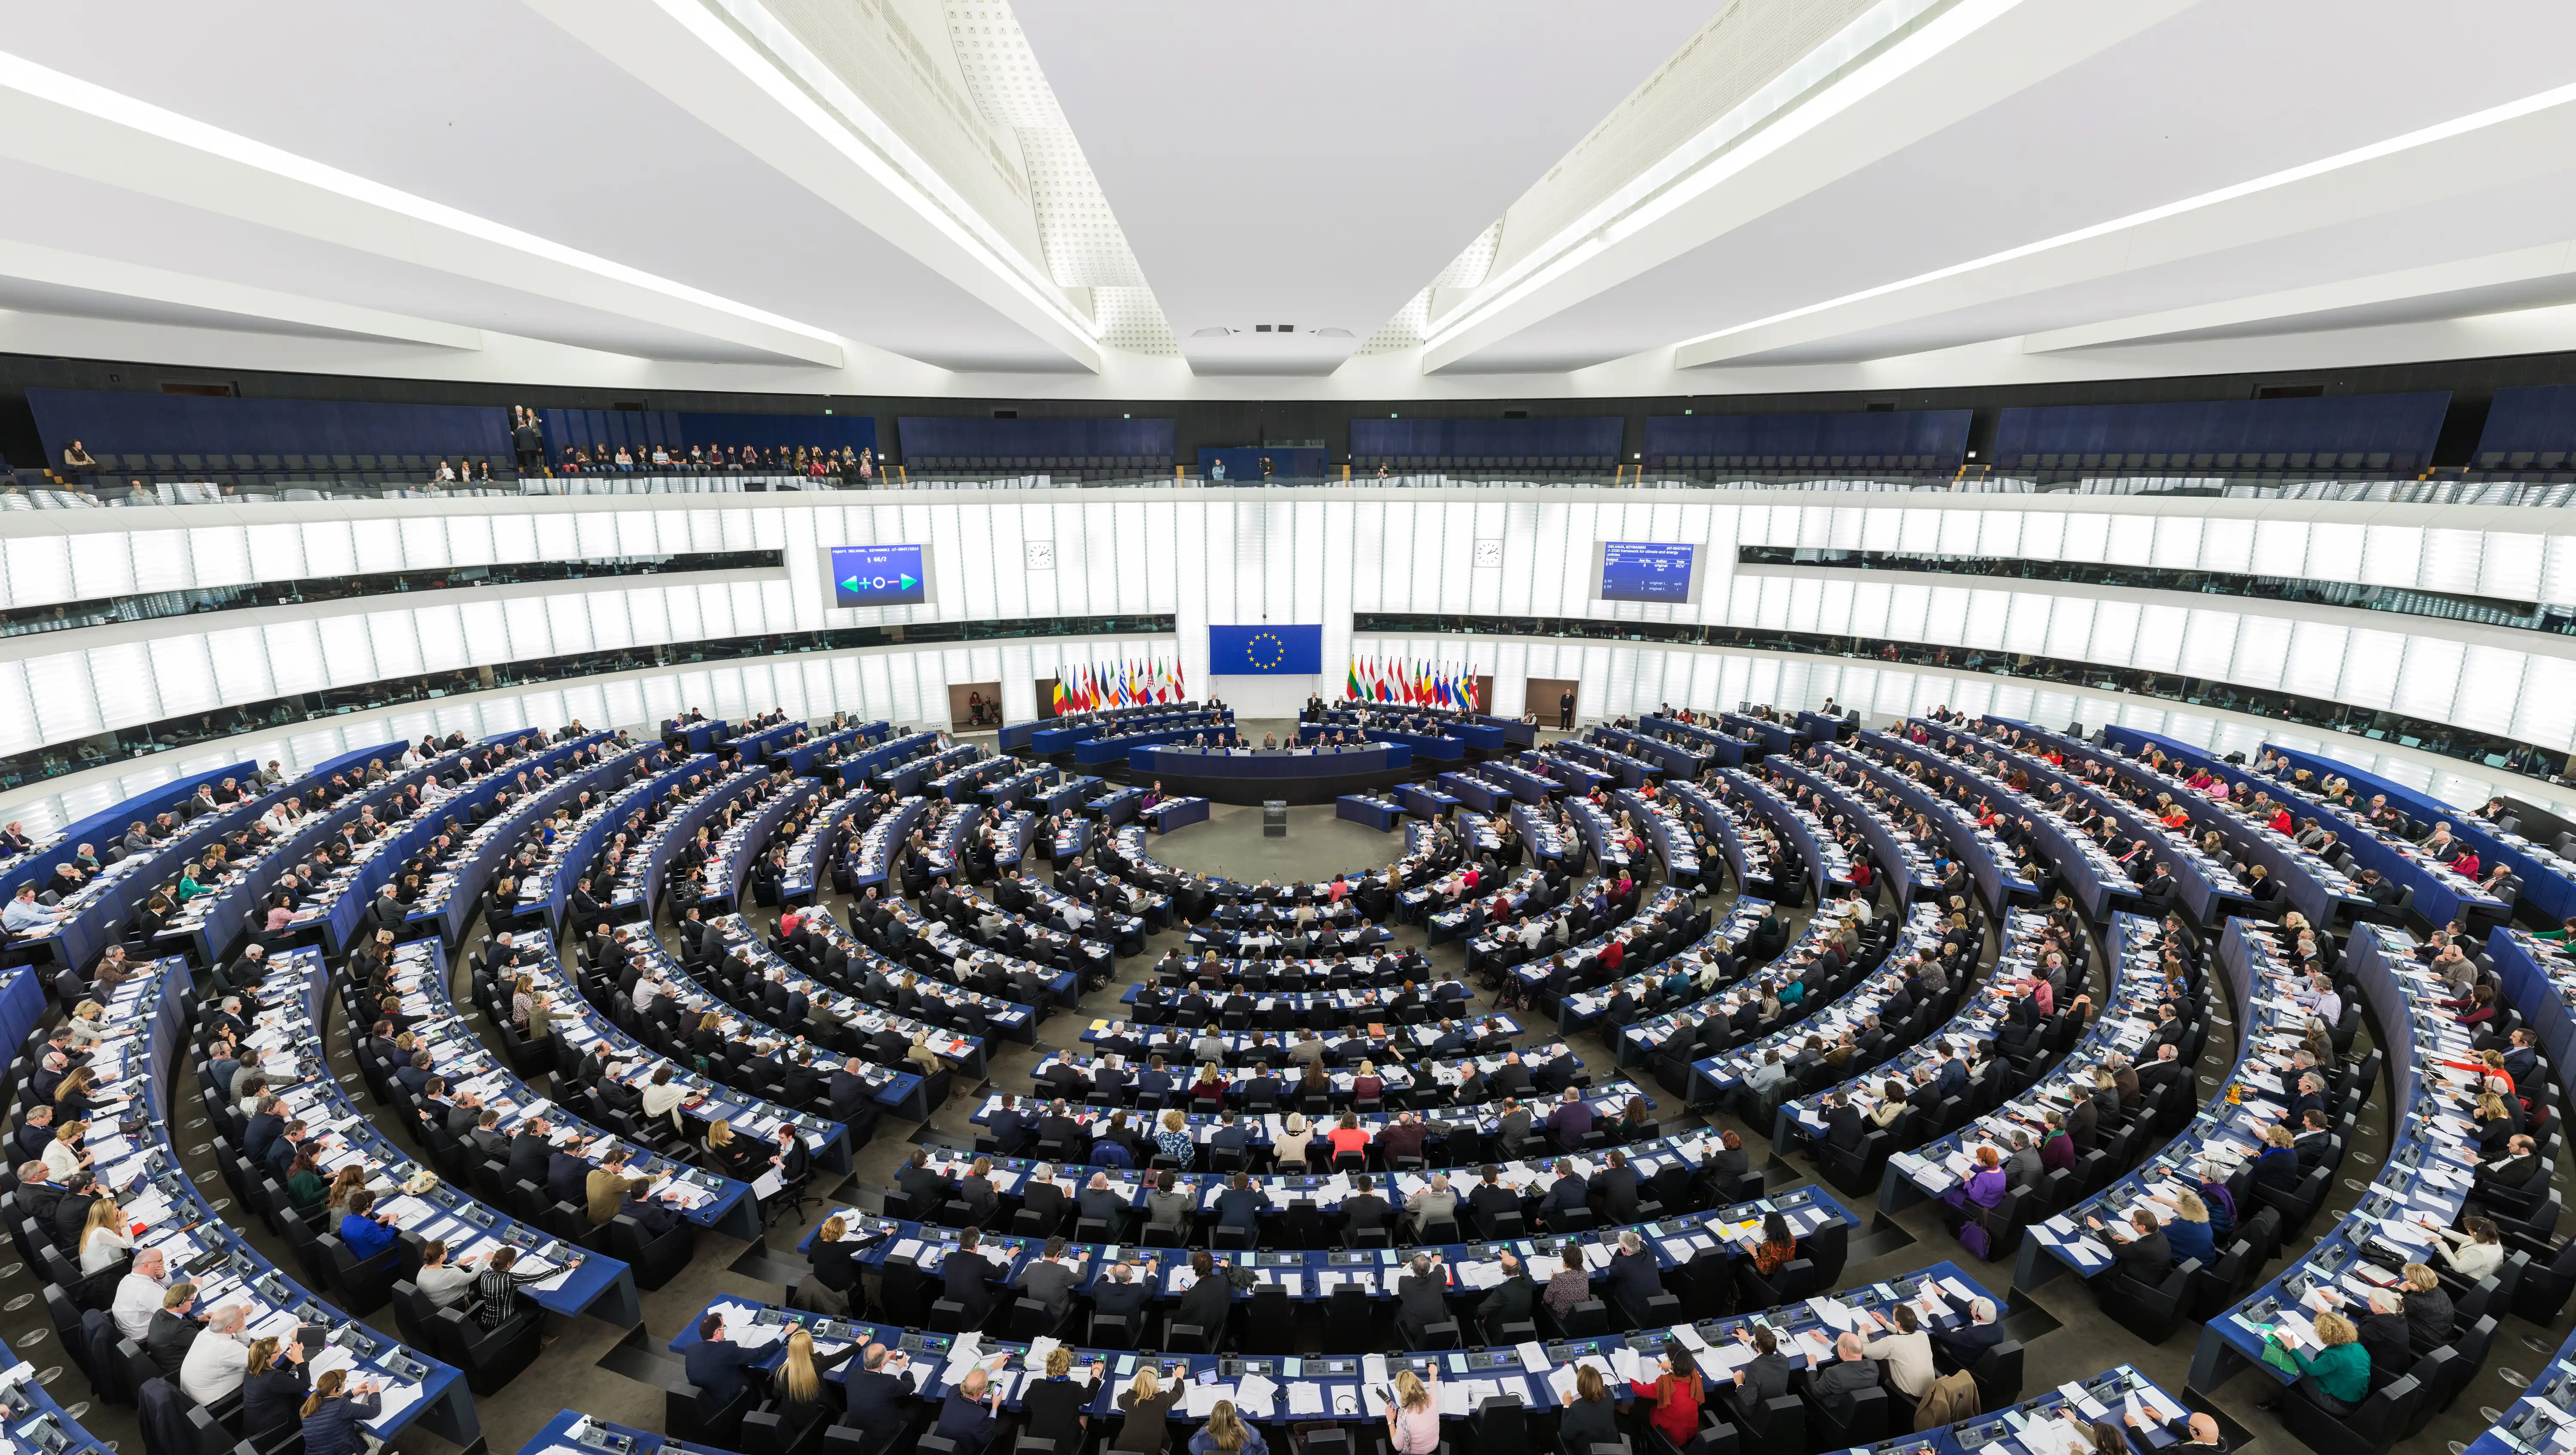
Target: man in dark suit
1007,1126
1507,1302
968,1276
1208,1302
568,1175
1568,1194
2196,1434
1632,1280
1100,1202
173,1329
1844,1125
1365,1210
1230,1134
1834,1386
849,1090
1241,1204
877,1392
1970,1342
652,1216
2311,1139
922,1183
719,1367
1421,1299
1616,1185
1124,1295
1044,1196
1059,1127
1489,1199
2512,1169
2143,1255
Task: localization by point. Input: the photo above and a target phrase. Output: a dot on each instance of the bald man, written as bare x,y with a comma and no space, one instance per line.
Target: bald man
2197,1433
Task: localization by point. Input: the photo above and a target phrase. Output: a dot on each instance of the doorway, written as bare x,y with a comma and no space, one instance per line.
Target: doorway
1556,702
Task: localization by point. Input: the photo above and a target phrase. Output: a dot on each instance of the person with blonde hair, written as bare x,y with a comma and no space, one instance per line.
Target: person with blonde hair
1225,1433
1174,1140
1288,1149
274,1388
84,1026
2430,1320
799,1382
104,1242
1051,1407
1148,1408
1413,1420
64,1156
2336,1378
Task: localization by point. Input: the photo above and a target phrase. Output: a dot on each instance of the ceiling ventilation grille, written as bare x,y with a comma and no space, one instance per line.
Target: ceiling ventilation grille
1084,246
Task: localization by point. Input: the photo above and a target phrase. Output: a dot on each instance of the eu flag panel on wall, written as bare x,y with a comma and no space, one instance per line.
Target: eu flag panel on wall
1265,651
878,576
1643,571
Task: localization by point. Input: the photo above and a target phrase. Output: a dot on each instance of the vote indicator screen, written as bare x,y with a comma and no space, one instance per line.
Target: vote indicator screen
878,576
1639,571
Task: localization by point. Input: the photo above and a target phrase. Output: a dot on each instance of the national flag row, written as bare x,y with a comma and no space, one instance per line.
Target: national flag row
1095,685
1415,684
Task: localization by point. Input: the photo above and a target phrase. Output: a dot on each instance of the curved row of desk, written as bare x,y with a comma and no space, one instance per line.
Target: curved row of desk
2425,1177
2124,1022
150,1021
2229,1127
1866,989
456,888
2085,873
2207,890
1978,1017
583,1030
904,1093
289,1036
470,1067
2000,882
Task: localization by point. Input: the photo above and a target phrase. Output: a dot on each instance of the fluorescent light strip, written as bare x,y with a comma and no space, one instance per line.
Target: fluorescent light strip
751,40
2438,132
20,74
1757,127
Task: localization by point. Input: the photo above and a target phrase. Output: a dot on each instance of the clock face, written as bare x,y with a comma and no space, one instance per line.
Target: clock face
1489,553
1041,555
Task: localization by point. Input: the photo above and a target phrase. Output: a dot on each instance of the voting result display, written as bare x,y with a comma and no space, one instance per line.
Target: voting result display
878,576
1644,571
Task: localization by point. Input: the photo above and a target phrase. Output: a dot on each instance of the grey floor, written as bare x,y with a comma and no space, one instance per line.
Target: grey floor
614,1373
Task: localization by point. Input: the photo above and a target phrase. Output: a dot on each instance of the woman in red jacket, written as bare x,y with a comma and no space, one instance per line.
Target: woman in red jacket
1676,1391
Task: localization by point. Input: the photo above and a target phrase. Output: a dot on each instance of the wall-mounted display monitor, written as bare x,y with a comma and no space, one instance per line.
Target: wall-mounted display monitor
1644,571
878,576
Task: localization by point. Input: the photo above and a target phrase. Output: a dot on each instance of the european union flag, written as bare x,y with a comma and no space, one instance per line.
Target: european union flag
1265,651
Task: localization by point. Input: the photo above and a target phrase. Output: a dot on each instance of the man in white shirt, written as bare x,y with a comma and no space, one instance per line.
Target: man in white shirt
25,914
138,1294
1908,1352
219,1360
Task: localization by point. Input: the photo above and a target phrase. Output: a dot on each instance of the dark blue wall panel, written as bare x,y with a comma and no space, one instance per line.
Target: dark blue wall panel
942,438
2535,421
1243,462
107,422
1588,439
1938,434
2401,427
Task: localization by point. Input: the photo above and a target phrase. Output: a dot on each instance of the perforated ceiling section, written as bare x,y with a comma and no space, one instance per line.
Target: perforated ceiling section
1412,323
1083,244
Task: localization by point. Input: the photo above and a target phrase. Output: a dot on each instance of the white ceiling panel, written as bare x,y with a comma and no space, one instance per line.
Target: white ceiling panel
1317,164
